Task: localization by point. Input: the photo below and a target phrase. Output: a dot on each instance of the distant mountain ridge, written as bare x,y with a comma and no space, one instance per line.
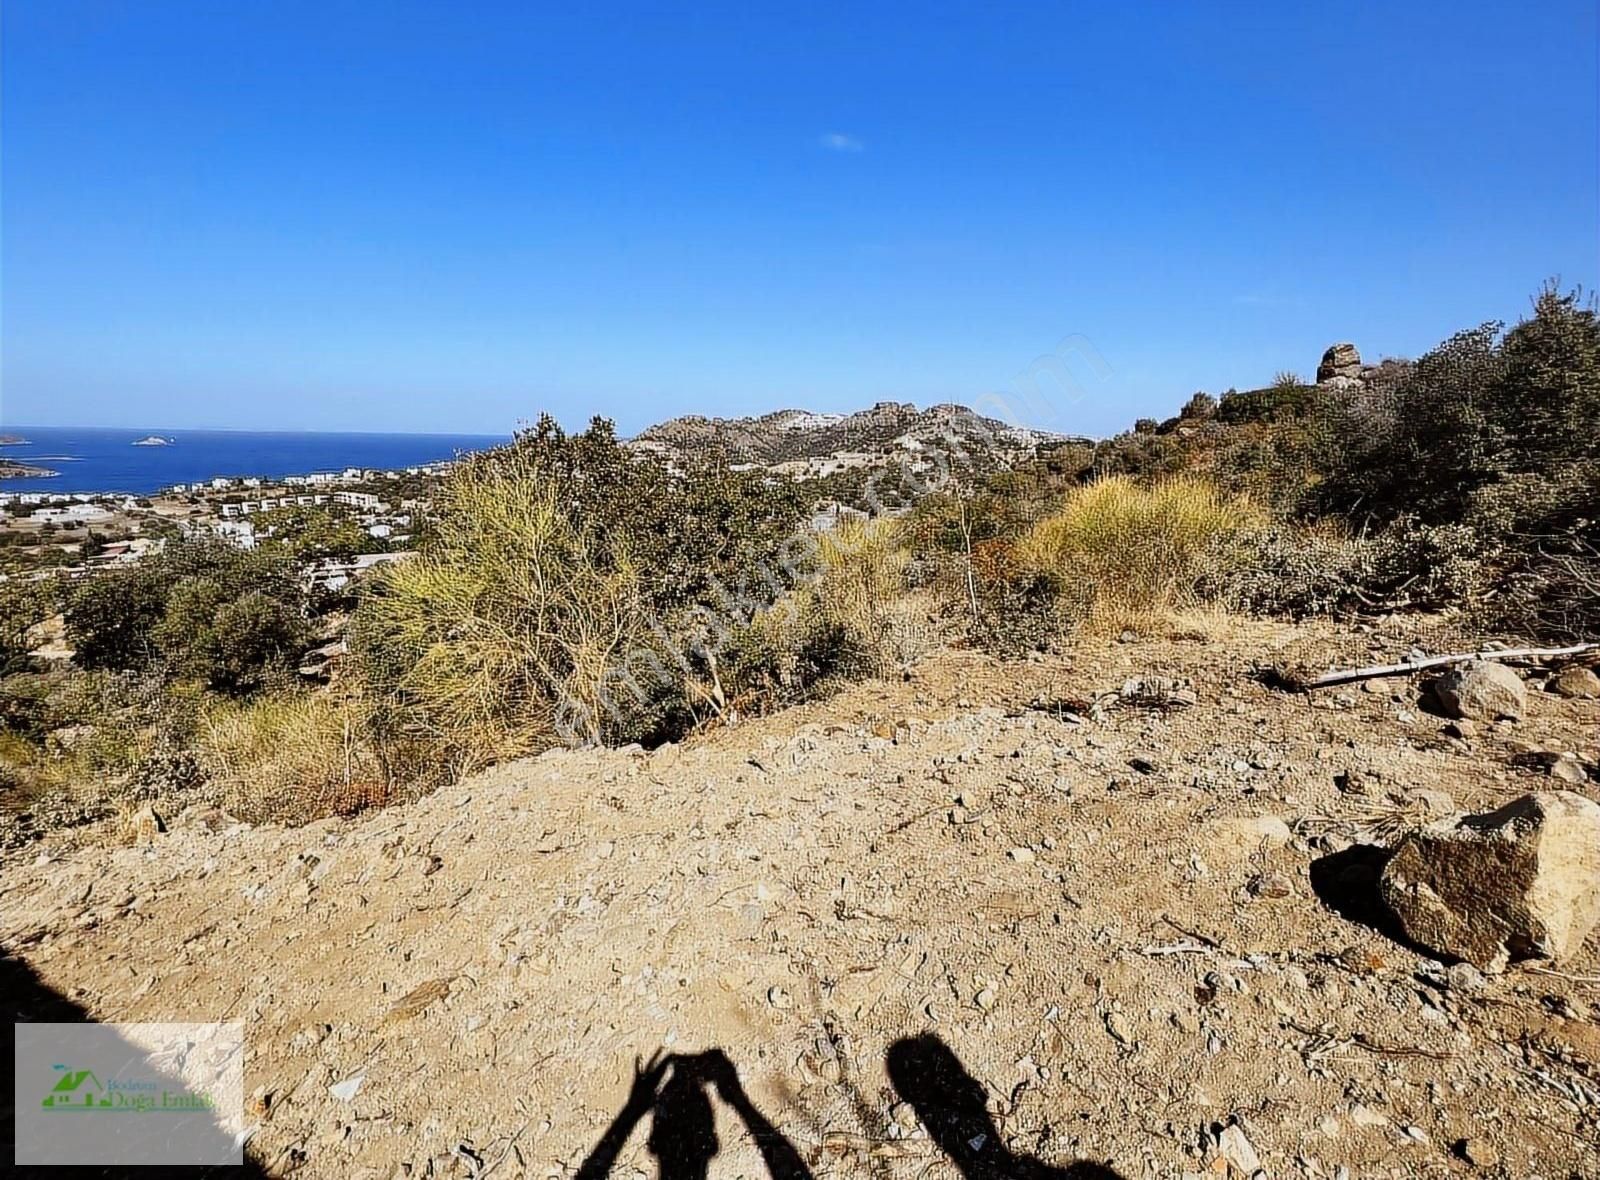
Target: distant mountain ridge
788,436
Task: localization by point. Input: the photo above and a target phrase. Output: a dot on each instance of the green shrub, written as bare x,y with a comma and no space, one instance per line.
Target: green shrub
505,627
1286,398
311,533
201,609
1478,409
569,590
24,604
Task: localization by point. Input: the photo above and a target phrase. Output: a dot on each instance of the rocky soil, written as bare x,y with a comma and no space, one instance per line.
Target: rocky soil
1002,917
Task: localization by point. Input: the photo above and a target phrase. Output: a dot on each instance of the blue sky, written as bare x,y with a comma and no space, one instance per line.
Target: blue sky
429,216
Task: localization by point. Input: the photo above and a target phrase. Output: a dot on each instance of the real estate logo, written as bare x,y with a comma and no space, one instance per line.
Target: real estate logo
80,1090
119,1094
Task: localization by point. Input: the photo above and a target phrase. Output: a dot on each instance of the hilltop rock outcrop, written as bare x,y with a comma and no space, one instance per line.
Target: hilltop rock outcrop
1341,361
789,435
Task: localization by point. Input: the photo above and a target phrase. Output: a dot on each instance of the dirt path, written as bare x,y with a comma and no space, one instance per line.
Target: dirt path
849,900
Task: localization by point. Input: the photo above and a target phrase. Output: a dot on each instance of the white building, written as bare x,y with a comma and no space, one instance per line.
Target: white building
72,514
332,574
363,500
241,532
269,503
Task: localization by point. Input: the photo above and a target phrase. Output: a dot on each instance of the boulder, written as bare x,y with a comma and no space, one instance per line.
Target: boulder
1341,361
1518,883
1576,682
1481,691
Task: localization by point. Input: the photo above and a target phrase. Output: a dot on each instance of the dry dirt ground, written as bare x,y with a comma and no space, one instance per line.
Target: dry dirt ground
935,926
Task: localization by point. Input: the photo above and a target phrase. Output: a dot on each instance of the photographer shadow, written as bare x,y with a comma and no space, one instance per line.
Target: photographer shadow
676,1091
949,1102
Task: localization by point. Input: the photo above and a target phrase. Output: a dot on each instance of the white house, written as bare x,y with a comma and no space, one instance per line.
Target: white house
72,514
364,500
241,532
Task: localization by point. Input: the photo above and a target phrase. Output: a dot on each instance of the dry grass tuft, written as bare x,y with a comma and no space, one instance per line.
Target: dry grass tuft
292,757
861,579
1132,553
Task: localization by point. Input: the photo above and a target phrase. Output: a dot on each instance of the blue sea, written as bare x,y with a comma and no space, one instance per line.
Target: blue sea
103,460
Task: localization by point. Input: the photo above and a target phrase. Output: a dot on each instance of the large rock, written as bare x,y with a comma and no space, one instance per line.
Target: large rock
1340,361
1481,691
1577,682
1522,882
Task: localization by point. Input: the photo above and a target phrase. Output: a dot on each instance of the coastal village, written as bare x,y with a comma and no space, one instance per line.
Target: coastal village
72,534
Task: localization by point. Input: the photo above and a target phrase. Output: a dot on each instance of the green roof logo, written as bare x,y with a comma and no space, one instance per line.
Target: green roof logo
73,1089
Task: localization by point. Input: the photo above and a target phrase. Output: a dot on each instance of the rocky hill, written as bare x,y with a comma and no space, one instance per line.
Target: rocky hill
787,436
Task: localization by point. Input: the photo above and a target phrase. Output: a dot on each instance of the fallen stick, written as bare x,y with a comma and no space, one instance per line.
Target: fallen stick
1347,676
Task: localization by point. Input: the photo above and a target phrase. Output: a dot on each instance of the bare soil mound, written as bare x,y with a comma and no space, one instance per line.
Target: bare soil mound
996,920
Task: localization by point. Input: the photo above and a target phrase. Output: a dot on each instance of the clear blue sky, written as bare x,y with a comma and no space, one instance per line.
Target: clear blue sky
434,216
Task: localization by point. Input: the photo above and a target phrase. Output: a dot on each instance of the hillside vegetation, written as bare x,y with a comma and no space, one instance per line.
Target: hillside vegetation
577,590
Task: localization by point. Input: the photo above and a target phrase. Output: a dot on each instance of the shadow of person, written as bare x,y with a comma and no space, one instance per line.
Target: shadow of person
950,1103
27,999
676,1092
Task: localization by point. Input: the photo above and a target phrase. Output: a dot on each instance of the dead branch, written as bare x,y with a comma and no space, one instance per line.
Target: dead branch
1347,676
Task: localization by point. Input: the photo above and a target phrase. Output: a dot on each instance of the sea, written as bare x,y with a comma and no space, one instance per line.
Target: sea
106,460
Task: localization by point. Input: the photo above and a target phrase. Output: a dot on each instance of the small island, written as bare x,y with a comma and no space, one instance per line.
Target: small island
11,469
12,440
153,440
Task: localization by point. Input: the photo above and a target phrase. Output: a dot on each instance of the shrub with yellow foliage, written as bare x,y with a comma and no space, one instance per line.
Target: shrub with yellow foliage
1125,553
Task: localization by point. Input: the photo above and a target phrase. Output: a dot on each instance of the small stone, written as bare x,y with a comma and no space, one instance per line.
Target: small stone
1566,768
1364,1116
346,1090
1461,728
1234,1147
1359,961
146,825
779,998
1271,885
1117,1025
1478,1152
985,998
1023,856
1250,834
1465,978
1435,803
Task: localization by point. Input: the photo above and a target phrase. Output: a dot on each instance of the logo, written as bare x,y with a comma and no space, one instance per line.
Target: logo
108,1095
80,1090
